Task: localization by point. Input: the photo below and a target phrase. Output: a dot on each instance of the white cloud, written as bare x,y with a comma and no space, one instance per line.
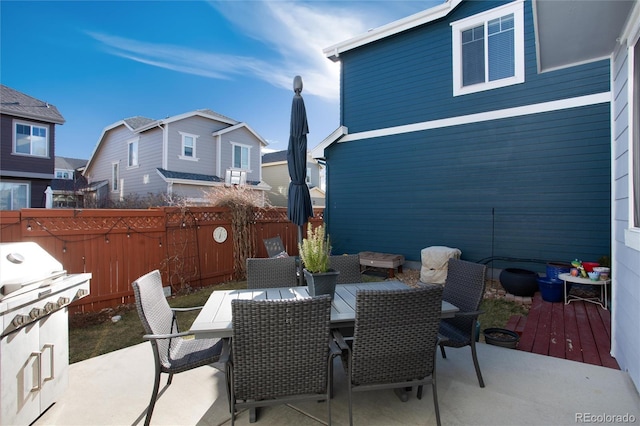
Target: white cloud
294,34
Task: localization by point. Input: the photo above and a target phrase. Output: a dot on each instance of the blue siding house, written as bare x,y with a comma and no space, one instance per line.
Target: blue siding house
490,126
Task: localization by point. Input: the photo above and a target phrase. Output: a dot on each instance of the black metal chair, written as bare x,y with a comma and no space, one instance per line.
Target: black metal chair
265,272
349,267
172,353
395,341
281,352
464,287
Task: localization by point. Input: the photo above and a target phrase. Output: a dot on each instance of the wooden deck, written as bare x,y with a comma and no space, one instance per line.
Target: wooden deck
578,331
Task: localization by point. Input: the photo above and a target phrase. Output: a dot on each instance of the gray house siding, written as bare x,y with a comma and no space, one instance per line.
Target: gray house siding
205,145
407,78
243,137
534,185
625,271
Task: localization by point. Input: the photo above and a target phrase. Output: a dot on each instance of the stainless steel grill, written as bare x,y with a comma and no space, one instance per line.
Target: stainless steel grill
35,292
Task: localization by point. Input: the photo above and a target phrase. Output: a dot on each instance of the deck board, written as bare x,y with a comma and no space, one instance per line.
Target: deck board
578,331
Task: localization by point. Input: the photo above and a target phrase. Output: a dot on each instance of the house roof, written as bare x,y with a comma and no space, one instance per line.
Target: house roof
238,126
194,178
333,52
20,105
69,163
139,124
274,157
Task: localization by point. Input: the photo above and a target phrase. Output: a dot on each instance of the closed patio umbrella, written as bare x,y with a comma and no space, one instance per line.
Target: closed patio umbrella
299,207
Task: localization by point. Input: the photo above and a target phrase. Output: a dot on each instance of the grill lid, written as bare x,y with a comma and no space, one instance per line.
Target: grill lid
26,265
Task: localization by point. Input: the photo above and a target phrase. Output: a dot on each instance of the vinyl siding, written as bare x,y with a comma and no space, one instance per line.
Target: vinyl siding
205,145
149,159
626,295
242,136
534,187
408,78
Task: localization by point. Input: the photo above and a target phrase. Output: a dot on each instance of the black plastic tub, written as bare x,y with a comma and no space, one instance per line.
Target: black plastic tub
501,337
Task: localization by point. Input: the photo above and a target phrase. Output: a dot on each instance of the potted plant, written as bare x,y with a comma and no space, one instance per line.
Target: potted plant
314,252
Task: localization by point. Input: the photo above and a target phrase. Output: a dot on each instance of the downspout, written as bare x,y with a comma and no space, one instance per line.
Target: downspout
165,146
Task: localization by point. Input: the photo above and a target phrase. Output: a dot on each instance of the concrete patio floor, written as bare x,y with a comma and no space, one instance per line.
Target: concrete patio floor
521,389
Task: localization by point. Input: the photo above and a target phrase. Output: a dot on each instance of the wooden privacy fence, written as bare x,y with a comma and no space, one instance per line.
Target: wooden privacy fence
118,246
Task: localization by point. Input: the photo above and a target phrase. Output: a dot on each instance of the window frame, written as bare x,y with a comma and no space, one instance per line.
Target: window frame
517,9
133,157
115,176
31,125
233,156
27,185
183,155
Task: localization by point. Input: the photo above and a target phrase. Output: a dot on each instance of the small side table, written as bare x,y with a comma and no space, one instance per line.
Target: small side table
602,300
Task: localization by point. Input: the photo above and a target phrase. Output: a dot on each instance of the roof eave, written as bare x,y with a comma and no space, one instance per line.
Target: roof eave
412,21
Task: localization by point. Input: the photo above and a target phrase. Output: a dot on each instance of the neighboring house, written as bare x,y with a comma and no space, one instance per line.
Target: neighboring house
181,157
275,172
27,141
492,127
69,185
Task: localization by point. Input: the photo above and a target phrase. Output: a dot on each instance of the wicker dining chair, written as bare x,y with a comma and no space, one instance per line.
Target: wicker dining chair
172,354
266,272
281,352
349,267
395,341
464,287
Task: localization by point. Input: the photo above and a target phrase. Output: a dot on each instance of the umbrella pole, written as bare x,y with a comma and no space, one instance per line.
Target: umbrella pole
300,276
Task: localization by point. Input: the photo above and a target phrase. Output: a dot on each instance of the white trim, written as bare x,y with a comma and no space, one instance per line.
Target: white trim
240,126
193,157
31,124
135,140
597,98
333,52
233,156
631,233
517,9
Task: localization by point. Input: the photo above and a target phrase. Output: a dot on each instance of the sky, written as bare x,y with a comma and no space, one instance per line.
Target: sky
100,62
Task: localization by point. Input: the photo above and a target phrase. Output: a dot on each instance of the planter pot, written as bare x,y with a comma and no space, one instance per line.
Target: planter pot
501,337
556,268
519,282
321,283
551,290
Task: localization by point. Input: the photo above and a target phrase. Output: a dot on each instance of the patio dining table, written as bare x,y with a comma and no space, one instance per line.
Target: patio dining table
214,320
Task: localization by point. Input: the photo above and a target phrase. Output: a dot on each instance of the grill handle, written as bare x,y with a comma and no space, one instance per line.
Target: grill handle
38,356
50,346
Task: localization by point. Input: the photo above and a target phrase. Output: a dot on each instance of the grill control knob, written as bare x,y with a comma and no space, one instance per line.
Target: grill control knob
82,292
50,307
35,313
63,301
19,320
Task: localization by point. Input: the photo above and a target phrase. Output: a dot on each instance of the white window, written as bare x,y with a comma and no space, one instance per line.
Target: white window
132,153
240,156
188,146
308,174
63,174
14,195
115,177
30,139
488,49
